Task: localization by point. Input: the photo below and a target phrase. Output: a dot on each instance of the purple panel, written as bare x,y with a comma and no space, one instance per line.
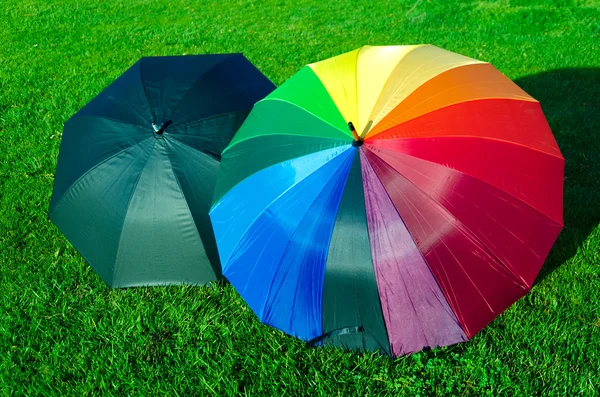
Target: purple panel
415,310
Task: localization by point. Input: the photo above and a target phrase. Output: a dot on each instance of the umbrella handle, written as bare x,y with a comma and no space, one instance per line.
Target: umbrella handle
357,139
159,129
336,332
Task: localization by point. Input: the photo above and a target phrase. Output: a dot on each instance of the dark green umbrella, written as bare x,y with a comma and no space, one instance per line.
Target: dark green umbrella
137,167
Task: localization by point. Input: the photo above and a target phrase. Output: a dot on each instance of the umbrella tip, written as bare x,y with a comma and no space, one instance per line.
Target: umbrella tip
357,139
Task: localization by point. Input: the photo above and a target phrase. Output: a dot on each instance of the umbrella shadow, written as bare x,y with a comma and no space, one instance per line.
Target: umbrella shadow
570,99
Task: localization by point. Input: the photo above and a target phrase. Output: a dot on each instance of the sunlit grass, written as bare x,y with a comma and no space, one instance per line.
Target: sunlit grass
62,331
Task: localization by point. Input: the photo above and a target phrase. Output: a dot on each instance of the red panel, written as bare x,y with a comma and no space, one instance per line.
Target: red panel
518,235
531,176
510,120
477,286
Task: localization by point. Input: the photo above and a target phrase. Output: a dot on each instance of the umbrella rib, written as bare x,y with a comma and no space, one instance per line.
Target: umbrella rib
438,93
428,114
357,111
412,210
450,312
78,116
191,147
179,126
336,144
382,88
197,80
461,227
114,273
412,73
343,130
470,203
333,175
94,167
176,178
146,90
474,137
275,199
487,183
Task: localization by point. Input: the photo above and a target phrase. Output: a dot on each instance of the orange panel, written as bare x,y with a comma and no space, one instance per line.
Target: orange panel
461,84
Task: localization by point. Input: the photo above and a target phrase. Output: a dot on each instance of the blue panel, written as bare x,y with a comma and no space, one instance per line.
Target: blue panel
243,204
279,263
295,297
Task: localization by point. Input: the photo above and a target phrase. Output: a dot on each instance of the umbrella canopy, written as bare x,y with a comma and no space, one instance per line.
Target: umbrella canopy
390,198
137,167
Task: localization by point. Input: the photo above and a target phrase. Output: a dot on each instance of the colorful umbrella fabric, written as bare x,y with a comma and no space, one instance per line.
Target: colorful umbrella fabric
138,164
391,198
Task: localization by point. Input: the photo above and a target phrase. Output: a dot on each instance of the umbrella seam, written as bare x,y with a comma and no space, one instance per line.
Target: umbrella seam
339,143
278,197
451,312
178,127
476,62
114,272
487,183
467,230
527,98
408,202
182,193
228,58
468,136
294,233
196,149
385,83
93,168
459,316
146,91
78,116
345,135
464,198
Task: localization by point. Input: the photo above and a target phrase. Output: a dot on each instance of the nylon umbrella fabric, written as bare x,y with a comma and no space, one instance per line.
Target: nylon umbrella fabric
415,227
138,164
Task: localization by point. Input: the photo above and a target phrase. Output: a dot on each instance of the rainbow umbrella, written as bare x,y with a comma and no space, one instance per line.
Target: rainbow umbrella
390,198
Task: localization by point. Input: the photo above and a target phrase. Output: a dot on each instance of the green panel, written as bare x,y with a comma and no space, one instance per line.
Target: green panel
305,90
253,155
159,242
91,213
277,117
350,295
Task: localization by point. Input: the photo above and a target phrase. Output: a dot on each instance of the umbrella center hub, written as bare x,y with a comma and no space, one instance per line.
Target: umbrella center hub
159,128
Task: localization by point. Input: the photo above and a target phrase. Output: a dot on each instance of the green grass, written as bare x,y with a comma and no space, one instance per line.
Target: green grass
63,332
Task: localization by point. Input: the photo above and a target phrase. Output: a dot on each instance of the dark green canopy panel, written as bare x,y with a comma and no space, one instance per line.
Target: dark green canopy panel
137,167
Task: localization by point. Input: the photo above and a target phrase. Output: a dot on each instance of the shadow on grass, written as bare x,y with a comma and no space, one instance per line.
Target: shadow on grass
570,99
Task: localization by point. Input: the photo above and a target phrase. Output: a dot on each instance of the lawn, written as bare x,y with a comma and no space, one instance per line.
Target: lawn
63,332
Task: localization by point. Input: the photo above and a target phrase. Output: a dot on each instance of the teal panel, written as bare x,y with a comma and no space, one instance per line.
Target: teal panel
159,243
350,295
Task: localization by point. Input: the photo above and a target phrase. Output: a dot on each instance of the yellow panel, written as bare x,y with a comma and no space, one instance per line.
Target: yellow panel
414,69
338,75
375,64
